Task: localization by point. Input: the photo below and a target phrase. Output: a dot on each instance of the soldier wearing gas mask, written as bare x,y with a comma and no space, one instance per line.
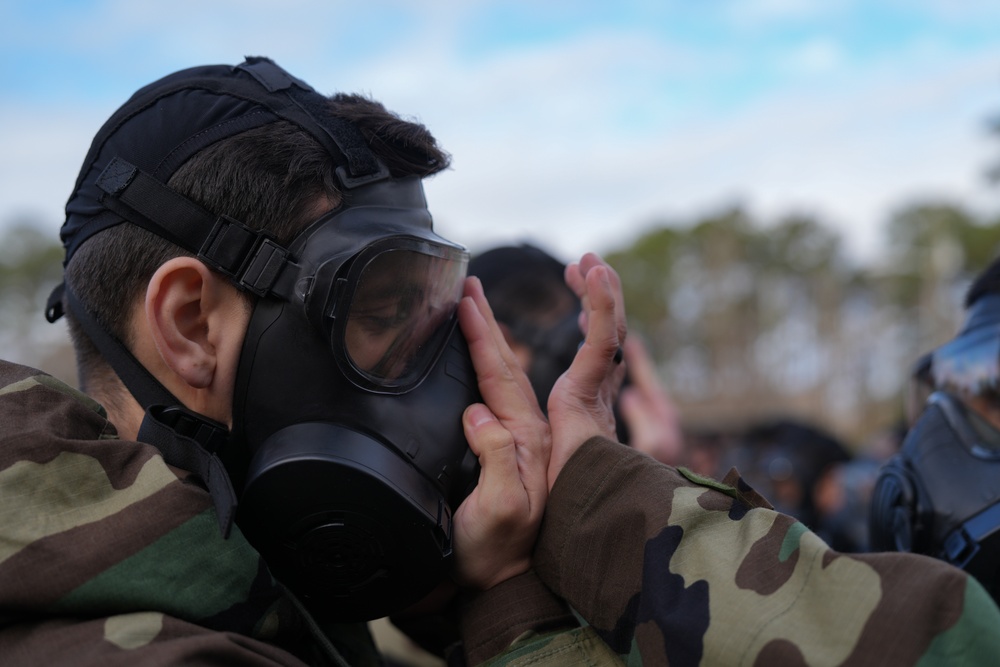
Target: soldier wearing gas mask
291,434
290,373
940,495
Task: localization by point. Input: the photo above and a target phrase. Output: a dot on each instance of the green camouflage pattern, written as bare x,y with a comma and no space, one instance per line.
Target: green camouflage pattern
109,556
669,568
568,648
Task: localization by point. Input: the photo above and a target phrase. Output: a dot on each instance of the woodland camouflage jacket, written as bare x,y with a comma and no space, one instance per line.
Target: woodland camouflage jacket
108,556
673,569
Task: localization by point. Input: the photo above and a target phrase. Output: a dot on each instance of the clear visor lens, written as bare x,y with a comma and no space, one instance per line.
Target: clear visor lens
969,369
401,312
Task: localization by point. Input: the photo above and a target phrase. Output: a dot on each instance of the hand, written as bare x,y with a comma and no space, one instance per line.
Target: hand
496,526
651,416
582,400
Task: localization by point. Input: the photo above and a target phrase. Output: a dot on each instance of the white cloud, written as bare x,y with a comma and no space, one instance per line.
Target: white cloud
850,154
817,56
581,141
42,153
753,13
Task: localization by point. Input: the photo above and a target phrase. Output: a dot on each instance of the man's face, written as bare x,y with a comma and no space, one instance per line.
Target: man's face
401,300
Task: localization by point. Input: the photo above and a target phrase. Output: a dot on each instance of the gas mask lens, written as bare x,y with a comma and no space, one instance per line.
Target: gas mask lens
401,310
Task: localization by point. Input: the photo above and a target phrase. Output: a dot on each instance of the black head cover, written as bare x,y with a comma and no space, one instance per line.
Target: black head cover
165,123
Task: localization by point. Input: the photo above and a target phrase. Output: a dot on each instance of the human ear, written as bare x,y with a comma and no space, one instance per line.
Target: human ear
181,300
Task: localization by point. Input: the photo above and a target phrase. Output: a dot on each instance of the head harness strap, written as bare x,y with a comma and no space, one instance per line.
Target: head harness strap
309,110
124,179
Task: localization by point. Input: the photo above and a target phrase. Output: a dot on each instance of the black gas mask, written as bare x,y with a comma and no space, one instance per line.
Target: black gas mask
347,457
349,398
940,495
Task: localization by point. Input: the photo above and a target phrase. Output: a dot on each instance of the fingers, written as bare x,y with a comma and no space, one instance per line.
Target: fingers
653,425
505,465
493,444
652,419
605,322
602,336
641,369
504,385
576,277
581,404
506,390
495,526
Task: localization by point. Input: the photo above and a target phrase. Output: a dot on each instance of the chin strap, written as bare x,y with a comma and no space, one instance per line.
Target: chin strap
190,442
184,438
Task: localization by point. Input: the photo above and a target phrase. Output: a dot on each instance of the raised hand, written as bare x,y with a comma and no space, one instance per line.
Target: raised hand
496,526
581,403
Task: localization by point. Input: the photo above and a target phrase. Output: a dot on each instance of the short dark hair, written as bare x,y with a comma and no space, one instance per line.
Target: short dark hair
525,286
270,178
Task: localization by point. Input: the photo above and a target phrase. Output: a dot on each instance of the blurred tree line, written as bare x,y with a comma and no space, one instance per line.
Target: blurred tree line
30,266
746,318
752,320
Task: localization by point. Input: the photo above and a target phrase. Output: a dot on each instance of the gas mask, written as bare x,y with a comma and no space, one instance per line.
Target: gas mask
348,409
347,457
940,495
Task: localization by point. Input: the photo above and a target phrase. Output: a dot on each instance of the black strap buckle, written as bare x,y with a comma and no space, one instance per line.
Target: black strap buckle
251,258
350,182
208,433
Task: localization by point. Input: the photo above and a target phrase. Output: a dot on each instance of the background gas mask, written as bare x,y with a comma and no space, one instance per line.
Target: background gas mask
940,495
347,456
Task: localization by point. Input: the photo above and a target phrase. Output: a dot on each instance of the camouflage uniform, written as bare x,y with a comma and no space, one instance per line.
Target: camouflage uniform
670,568
109,556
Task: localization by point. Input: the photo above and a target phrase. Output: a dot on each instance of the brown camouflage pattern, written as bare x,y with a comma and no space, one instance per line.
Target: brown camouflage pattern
671,568
110,557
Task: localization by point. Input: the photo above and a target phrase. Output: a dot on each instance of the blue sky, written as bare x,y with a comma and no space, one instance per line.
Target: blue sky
573,124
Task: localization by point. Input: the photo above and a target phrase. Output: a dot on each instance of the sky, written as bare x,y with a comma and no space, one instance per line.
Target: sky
575,125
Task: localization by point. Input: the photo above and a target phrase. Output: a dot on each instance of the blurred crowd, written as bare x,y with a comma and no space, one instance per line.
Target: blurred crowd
926,485
929,484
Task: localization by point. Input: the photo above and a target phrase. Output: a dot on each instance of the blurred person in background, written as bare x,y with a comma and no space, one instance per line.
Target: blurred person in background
539,316
706,450
811,475
940,495
842,499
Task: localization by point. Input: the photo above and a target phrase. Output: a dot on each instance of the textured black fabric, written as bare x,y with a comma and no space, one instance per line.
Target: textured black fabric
165,123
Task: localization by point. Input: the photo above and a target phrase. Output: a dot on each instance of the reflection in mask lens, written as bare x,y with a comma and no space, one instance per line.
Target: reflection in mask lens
401,303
